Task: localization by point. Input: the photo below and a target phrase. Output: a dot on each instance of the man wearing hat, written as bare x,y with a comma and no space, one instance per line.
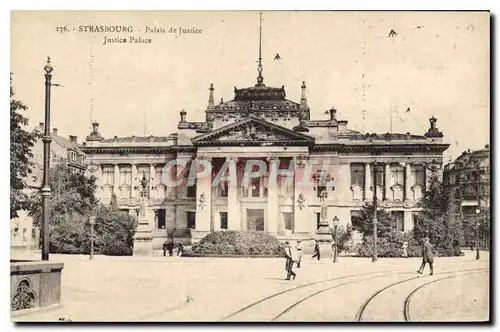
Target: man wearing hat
427,256
289,261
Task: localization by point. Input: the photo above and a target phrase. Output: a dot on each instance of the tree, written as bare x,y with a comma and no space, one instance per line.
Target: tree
385,222
436,221
72,193
21,143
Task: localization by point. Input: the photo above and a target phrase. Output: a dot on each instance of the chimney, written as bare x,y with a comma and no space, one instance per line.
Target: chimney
73,138
41,124
54,131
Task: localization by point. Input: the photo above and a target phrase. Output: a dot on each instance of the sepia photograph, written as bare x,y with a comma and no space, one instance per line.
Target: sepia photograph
250,166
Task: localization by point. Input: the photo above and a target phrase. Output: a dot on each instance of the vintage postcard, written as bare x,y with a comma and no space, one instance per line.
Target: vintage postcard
276,166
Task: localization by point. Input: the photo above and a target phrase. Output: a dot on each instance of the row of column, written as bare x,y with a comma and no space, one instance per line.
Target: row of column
204,200
116,177
387,184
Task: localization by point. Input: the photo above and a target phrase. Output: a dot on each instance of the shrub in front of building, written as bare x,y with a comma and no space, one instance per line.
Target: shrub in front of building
391,245
237,243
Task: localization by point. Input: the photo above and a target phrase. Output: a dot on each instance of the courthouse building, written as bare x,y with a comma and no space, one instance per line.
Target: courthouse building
261,123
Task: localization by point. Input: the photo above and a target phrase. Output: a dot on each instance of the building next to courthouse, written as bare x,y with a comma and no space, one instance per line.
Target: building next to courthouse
260,123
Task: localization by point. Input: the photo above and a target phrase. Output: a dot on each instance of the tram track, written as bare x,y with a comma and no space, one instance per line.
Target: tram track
362,308
406,307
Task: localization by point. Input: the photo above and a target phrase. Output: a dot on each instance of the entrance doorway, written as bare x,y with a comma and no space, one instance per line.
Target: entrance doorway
255,219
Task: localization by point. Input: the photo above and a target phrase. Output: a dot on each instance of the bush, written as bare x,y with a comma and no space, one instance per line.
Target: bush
113,233
390,245
237,243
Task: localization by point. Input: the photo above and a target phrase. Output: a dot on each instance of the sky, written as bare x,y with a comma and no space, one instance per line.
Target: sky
437,64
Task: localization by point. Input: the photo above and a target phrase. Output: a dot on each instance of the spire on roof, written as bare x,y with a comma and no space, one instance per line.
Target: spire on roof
260,78
303,99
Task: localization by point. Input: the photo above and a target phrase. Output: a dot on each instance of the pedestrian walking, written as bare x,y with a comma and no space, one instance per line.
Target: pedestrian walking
170,248
165,248
316,250
180,249
405,249
427,256
299,248
289,262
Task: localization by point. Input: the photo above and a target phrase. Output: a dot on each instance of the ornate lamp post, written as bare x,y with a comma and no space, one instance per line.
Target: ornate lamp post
335,244
46,163
477,233
374,257
92,223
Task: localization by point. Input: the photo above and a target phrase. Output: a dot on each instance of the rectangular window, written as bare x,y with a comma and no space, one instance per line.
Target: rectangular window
222,189
25,235
158,175
399,220
255,187
125,176
358,175
287,220
191,191
397,175
223,220
356,220
379,170
161,219
418,175
108,175
191,219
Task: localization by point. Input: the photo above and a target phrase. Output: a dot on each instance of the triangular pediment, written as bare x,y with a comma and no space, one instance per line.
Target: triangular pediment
253,131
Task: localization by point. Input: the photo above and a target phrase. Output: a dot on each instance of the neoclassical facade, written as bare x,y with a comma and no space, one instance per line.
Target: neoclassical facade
261,124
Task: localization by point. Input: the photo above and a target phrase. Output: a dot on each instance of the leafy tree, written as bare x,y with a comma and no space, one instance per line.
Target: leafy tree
436,221
385,222
72,193
21,143
344,236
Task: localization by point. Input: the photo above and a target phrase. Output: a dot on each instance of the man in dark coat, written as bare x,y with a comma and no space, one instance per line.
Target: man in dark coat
170,248
316,250
289,261
427,256
165,247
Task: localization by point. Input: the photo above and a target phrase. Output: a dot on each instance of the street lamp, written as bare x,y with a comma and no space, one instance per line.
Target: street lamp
92,223
335,244
374,257
477,233
46,163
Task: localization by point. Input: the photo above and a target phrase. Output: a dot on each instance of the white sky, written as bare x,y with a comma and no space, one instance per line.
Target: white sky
440,69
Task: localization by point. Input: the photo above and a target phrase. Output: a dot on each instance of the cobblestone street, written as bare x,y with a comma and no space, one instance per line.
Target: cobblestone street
215,289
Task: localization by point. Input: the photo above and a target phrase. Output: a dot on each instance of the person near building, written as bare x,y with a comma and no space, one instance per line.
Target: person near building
299,248
180,249
405,249
289,262
316,250
165,248
170,248
427,256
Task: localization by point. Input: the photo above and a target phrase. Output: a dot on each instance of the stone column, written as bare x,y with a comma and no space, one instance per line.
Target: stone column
408,181
368,183
233,204
304,221
272,197
116,179
203,202
387,183
134,183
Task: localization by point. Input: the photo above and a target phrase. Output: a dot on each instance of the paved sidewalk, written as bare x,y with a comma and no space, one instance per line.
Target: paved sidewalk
210,289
